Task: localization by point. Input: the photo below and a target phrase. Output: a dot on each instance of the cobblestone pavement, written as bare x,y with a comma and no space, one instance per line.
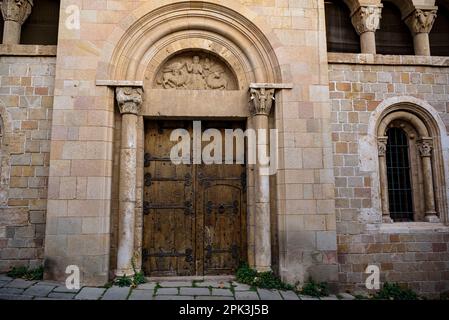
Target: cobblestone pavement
18,289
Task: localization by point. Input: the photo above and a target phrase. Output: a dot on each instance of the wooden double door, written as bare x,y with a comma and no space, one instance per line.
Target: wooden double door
194,214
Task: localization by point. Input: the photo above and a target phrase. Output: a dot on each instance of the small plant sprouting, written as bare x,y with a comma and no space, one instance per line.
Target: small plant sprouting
393,291
315,289
26,273
267,280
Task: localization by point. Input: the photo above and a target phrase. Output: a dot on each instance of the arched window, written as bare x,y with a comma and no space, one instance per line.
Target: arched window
409,166
41,27
439,35
393,37
340,33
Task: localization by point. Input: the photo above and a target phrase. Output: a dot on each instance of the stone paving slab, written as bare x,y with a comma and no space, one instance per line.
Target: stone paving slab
246,295
4,277
266,294
289,295
346,296
88,293
61,296
137,294
175,284
64,289
302,297
3,282
147,286
330,297
222,292
20,284
167,297
240,286
11,290
167,291
194,291
14,297
213,298
39,290
116,293
213,284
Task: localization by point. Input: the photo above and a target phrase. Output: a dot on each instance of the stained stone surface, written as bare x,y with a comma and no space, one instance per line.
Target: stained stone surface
174,290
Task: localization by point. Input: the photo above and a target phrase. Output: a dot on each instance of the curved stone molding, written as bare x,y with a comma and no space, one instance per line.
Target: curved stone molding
367,19
195,71
261,101
129,100
421,20
16,10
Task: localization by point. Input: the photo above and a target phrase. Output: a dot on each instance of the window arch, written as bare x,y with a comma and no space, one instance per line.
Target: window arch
409,166
393,37
439,35
41,27
340,33
2,23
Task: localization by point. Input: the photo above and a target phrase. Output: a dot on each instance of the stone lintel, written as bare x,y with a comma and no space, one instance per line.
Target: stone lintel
271,85
120,83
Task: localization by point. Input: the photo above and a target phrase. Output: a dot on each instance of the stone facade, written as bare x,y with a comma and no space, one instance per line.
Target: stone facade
26,101
264,62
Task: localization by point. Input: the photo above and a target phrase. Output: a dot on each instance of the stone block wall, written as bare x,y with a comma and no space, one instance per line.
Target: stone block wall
415,254
26,101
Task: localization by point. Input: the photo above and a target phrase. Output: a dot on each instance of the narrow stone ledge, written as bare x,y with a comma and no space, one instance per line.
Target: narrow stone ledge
380,59
412,227
27,50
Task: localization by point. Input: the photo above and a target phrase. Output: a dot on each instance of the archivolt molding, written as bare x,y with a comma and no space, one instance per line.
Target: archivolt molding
425,119
226,28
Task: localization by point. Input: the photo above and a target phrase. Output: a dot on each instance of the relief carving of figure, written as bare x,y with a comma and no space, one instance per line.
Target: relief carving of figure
193,74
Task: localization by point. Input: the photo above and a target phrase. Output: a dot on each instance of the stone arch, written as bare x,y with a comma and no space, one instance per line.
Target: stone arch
405,6
227,28
427,121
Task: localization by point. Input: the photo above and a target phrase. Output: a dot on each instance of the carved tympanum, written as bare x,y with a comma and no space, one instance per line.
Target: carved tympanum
195,71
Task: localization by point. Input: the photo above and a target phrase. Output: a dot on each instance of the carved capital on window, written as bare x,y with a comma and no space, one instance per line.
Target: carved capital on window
421,20
425,147
382,146
366,19
129,99
261,101
16,10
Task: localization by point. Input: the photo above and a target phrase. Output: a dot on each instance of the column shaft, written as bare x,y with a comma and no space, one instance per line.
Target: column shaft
262,193
421,44
11,32
368,42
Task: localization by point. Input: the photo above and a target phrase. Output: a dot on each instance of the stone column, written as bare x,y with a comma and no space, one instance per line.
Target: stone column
14,12
261,103
129,100
420,22
382,150
425,147
366,20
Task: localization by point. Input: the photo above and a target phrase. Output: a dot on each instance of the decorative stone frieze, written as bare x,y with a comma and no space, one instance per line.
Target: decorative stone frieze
367,19
16,10
129,99
421,20
261,101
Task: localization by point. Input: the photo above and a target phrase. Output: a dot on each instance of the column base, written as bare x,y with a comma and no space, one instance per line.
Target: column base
121,273
263,269
387,219
432,219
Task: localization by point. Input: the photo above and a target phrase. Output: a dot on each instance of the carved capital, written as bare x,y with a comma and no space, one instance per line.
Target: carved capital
421,20
366,19
382,146
261,101
425,147
16,10
129,99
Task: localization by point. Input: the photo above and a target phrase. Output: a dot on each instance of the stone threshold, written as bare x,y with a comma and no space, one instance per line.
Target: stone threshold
192,278
380,59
